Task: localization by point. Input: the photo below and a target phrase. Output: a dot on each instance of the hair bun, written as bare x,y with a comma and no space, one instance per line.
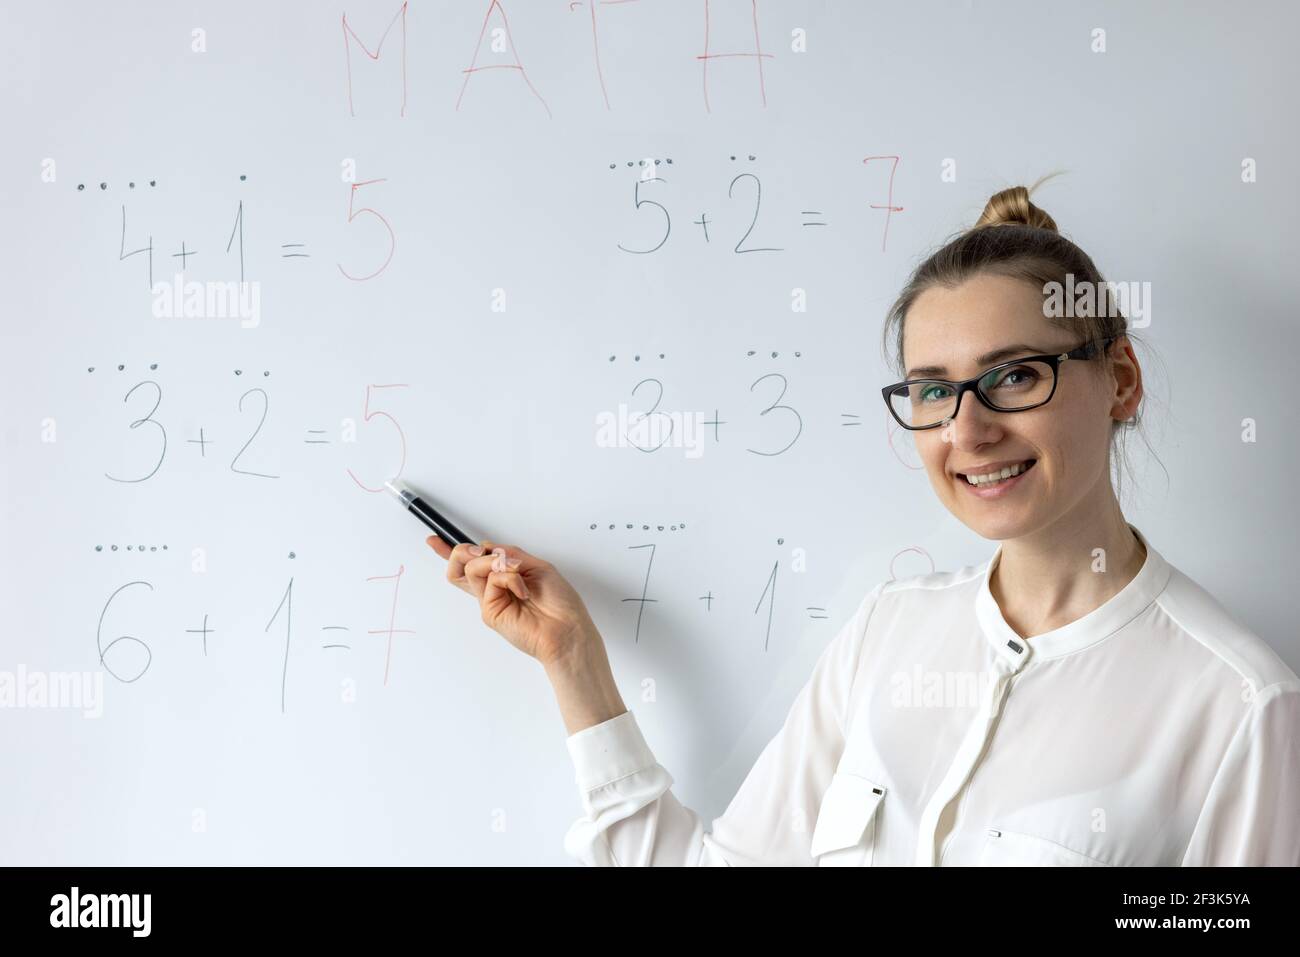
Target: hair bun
1012,207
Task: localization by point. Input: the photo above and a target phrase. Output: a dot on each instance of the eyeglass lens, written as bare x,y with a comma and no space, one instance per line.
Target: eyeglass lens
1021,386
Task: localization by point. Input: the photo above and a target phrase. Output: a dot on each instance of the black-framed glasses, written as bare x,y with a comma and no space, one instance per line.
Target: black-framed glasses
1012,386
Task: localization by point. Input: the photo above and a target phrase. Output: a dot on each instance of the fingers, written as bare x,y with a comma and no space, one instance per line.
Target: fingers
497,588
457,558
526,560
439,546
477,570
502,562
470,566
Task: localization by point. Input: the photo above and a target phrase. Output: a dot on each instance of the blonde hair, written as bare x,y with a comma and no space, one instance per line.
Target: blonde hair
1017,239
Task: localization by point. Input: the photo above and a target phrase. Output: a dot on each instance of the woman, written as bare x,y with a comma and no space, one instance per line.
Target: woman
1075,700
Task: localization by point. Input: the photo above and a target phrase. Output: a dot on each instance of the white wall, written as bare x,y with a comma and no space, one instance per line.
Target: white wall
453,751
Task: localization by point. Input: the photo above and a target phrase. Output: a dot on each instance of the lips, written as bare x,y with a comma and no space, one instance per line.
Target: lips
997,467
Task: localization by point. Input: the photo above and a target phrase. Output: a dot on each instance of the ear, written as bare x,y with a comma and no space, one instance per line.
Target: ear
1126,377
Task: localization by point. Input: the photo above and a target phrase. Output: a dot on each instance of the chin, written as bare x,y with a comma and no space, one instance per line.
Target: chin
997,528
1012,516
996,522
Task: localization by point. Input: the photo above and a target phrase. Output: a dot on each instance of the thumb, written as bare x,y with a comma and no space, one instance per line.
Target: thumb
439,546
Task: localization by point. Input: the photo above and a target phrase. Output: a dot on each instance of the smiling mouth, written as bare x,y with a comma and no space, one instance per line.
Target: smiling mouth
1008,473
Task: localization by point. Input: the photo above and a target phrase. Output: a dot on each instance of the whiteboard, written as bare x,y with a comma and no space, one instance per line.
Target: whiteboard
469,237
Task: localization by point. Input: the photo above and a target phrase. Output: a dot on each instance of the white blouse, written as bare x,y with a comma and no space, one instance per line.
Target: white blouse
1155,730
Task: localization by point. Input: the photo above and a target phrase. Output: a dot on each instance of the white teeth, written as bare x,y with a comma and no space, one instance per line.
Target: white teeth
992,477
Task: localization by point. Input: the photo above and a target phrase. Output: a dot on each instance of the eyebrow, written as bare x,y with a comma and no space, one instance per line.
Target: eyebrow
989,358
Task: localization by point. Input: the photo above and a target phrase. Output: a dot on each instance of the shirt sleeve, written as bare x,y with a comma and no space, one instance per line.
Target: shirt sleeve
1251,816
632,818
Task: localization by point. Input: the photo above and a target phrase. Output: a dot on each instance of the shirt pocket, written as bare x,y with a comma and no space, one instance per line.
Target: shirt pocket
1006,848
845,832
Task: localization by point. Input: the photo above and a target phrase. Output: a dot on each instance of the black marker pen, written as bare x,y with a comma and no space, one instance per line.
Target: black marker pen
426,513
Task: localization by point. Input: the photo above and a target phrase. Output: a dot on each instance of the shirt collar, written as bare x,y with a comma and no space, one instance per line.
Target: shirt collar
1099,623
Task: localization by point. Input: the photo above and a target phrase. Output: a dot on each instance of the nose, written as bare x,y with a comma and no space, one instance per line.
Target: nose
974,425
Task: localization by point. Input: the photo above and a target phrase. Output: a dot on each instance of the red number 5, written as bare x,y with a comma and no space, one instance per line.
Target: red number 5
400,435
353,214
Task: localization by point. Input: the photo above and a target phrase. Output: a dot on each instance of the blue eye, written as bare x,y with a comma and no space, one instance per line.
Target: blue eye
934,392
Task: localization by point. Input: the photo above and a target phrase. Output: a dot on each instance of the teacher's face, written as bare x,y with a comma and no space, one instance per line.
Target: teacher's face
1066,440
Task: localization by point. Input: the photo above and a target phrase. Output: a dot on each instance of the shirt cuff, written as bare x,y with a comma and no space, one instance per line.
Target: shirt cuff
608,751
